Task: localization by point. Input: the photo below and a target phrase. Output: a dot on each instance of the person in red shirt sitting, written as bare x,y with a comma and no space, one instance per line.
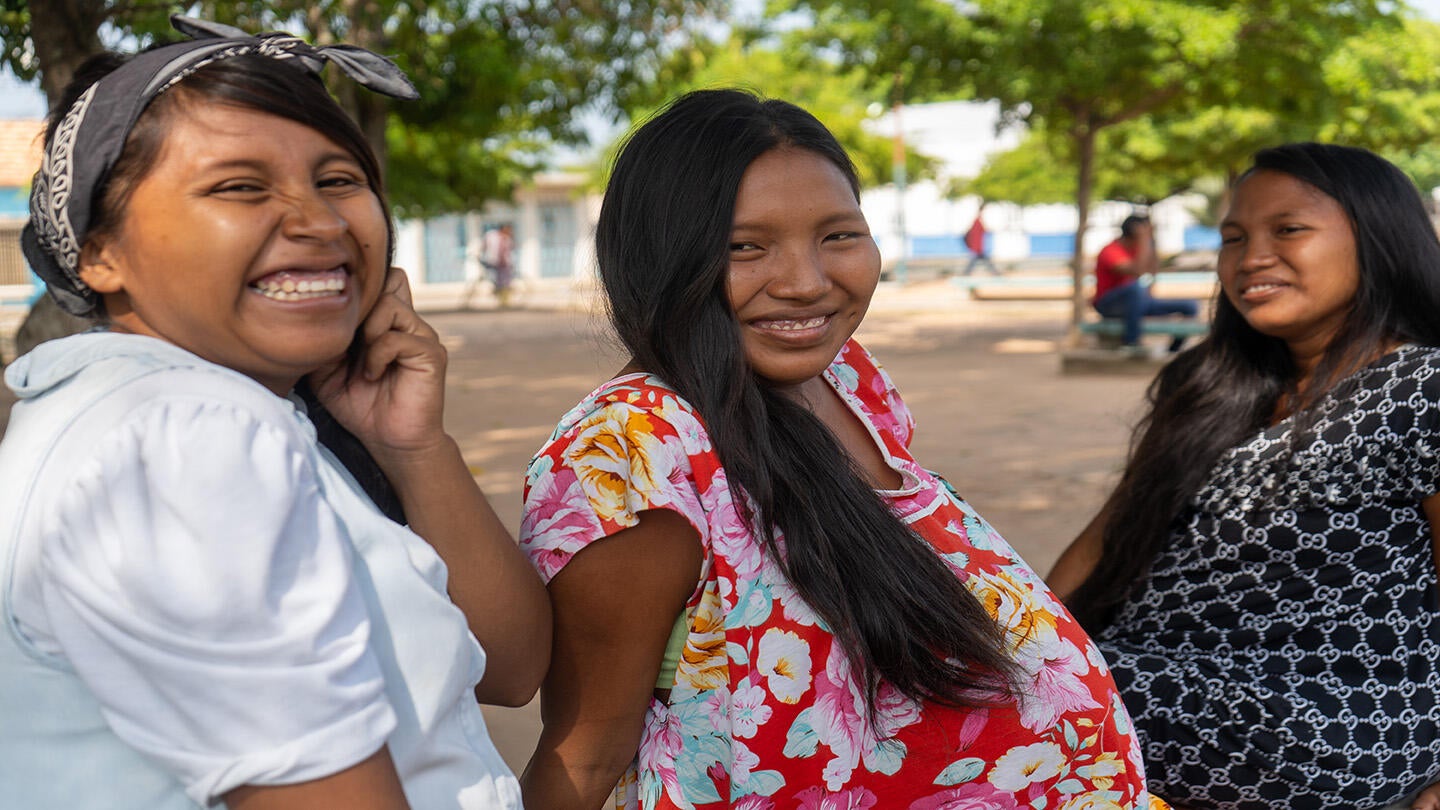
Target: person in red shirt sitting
1118,293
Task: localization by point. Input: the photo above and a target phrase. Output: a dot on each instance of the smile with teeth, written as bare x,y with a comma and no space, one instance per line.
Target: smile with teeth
790,325
296,286
1260,288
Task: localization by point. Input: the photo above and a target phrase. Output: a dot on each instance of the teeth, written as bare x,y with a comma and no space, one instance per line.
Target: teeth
1262,288
794,326
291,290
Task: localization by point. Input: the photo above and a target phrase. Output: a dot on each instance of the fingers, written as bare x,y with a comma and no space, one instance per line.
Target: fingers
395,312
407,350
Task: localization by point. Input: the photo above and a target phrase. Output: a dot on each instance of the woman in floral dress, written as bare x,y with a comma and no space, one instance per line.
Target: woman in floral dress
761,599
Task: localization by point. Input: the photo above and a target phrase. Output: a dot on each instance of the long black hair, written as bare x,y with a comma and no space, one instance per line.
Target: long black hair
1212,397
662,241
266,85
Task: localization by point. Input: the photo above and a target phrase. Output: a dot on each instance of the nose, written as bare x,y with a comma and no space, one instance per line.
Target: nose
1257,253
312,216
801,277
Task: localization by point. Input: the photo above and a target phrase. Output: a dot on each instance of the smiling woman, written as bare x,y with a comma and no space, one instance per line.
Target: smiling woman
762,599
1263,580
203,604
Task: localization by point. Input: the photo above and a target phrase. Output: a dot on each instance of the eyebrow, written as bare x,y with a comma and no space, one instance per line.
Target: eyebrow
256,163
849,216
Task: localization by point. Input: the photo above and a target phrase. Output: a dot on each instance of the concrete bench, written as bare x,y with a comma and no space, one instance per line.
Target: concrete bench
1197,284
1170,327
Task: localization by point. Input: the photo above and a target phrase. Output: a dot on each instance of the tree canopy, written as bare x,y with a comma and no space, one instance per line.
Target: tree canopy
501,81
1079,70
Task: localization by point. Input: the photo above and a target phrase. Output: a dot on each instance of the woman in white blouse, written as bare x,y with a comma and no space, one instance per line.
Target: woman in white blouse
202,604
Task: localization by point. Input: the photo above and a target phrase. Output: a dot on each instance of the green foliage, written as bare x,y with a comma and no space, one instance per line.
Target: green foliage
501,81
839,96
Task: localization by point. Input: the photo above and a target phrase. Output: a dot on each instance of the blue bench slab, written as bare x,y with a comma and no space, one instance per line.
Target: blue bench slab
1173,327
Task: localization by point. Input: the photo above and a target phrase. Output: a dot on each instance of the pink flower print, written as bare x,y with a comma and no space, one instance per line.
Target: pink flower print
1057,688
558,522
742,761
839,721
730,535
784,660
794,608
693,436
660,745
748,710
854,799
1026,765
753,802
974,796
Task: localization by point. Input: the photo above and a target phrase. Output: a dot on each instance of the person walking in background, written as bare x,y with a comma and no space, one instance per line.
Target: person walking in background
975,243
202,606
498,256
1120,292
1263,580
762,599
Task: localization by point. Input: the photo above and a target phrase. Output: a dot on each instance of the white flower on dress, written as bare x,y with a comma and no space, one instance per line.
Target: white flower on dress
784,660
748,711
1021,767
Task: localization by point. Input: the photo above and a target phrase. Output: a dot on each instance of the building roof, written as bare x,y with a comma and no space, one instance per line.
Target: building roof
19,151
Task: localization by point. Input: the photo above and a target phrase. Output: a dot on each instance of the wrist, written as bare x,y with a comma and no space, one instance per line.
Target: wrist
417,461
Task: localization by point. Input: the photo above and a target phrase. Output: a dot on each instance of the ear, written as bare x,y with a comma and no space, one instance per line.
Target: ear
100,266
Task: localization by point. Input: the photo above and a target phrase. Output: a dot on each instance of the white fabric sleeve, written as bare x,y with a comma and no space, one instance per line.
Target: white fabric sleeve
205,592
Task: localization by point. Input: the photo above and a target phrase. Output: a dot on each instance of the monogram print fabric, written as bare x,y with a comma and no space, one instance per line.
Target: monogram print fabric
1283,650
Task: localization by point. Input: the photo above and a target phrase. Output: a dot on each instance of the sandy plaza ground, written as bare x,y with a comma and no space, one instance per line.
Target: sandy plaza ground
1033,450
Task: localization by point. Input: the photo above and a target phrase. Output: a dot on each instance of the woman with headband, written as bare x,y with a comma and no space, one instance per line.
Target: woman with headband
202,604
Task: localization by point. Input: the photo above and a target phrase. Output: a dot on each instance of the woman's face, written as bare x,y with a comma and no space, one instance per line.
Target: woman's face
802,265
253,241
1288,260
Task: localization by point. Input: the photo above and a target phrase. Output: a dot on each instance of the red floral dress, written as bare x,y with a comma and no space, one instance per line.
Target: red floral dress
765,712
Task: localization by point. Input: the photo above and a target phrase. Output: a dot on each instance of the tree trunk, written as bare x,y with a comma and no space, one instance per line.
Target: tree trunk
1084,187
370,110
64,33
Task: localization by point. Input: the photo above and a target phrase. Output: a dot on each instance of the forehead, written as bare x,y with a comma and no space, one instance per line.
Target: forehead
786,177
1268,193
198,130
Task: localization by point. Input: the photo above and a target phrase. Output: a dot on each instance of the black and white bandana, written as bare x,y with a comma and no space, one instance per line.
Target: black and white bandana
89,139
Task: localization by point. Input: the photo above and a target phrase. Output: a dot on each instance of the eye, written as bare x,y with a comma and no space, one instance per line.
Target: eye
1230,239
1286,230
237,187
743,247
842,236
343,181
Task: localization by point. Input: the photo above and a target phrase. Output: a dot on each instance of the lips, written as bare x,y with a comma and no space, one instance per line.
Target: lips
302,285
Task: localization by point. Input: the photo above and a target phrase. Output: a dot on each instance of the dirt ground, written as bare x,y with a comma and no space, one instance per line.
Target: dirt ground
1032,449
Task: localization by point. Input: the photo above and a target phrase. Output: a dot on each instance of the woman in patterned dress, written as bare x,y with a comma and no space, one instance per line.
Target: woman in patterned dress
1263,579
843,631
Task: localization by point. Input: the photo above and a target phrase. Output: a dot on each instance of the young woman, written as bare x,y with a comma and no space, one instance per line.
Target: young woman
202,606
1263,579
757,589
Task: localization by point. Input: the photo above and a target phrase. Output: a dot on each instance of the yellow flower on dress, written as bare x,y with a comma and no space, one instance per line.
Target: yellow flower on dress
614,452
703,663
1013,606
1092,802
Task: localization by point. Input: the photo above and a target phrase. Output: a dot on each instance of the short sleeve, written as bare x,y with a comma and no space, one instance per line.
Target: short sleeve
200,585
594,479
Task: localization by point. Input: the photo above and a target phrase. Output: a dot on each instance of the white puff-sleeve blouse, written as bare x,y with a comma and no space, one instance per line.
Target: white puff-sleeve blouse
202,588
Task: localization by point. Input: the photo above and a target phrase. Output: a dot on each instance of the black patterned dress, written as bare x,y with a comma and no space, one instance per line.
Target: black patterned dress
1285,649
